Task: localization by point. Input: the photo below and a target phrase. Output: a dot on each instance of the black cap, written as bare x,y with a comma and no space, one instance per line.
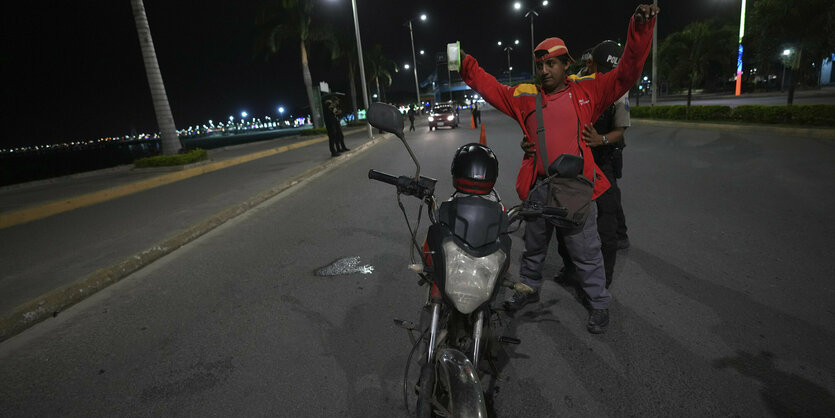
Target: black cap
606,55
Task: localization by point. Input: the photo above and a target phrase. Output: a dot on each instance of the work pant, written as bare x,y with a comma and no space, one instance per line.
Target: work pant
583,243
411,124
333,143
608,208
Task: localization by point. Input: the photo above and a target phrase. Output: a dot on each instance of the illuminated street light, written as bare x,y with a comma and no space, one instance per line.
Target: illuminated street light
508,49
362,65
244,114
531,12
281,110
787,52
405,66
422,52
414,59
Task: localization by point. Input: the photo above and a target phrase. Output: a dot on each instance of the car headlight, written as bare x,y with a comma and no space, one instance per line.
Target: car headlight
470,280
431,119
450,118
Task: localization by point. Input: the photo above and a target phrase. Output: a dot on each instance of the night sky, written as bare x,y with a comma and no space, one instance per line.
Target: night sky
74,71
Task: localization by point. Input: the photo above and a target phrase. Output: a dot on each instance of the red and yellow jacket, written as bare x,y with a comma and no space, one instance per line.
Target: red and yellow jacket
590,96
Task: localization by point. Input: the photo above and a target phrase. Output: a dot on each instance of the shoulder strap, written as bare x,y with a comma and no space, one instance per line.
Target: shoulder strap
540,131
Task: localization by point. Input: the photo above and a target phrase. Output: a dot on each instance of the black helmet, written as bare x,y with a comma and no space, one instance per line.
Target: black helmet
474,169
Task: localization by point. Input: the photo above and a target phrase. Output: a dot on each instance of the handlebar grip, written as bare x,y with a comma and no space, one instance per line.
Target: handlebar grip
385,178
549,211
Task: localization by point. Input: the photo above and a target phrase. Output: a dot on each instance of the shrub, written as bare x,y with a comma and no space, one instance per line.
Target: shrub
189,157
710,112
812,114
816,114
761,114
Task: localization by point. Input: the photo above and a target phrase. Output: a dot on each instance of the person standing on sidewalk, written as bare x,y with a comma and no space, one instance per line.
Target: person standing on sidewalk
336,140
411,118
567,106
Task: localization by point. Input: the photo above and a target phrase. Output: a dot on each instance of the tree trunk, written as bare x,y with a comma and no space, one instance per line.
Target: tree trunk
689,98
169,142
379,95
315,114
790,99
353,89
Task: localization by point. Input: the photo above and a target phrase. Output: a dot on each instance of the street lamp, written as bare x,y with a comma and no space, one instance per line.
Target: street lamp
531,12
362,65
509,67
414,59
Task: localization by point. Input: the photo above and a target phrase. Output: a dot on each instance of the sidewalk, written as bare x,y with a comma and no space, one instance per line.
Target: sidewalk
63,239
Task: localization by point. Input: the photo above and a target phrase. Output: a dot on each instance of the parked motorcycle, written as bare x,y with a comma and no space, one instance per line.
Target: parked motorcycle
464,261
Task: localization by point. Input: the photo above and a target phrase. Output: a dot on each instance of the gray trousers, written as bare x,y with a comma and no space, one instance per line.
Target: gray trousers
583,244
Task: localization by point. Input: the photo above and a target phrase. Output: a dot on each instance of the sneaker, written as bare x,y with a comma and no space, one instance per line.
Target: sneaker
598,320
519,300
623,244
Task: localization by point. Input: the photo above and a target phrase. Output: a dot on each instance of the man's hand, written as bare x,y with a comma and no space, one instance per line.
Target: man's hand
528,147
592,138
646,12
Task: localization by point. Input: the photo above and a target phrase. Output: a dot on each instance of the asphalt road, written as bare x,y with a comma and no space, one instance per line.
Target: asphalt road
723,304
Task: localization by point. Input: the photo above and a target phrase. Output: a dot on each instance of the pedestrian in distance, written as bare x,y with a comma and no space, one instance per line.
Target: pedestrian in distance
336,140
565,107
476,114
411,118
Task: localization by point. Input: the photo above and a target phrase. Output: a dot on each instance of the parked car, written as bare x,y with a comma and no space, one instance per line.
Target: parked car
443,115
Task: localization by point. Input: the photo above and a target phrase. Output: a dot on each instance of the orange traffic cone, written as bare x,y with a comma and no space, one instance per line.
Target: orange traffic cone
472,122
483,139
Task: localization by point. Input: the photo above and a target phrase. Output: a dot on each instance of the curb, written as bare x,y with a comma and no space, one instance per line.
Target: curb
44,210
817,133
54,302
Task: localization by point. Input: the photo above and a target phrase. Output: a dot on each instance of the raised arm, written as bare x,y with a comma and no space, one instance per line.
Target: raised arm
617,82
493,92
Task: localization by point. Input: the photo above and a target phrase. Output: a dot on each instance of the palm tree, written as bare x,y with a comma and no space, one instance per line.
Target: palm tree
378,68
170,142
687,56
290,20
348,52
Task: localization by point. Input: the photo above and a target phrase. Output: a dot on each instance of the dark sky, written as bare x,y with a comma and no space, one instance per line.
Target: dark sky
74,71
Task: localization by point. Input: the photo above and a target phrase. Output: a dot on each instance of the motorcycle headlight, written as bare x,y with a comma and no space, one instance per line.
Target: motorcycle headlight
450,117
470,280
431,119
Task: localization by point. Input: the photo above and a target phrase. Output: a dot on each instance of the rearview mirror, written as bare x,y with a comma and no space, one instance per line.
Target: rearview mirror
386,117
566,165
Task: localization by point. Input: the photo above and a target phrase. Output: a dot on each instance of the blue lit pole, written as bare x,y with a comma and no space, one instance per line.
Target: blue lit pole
739,57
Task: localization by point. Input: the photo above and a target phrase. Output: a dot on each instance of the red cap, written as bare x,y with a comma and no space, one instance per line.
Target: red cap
549,48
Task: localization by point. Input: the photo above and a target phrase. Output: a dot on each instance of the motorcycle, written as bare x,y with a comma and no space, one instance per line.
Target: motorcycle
464,261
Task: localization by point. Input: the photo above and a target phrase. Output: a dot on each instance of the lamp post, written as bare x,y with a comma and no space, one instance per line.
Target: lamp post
414,59
362,65
508,49
531,13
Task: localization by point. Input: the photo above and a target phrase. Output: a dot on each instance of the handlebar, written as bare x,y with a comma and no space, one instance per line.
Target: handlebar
529,210
422,188
385,178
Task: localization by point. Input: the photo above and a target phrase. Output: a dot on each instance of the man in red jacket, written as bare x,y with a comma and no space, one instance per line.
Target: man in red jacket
567,106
